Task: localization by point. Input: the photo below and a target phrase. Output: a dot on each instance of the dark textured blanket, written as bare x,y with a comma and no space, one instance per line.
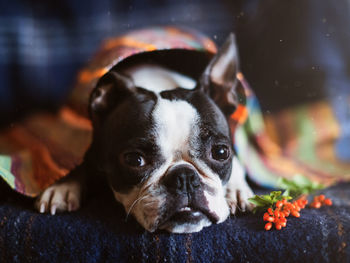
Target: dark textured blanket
100,233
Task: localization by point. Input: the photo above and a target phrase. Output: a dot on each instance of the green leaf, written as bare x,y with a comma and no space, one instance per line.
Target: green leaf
274,194
259,201
298,185
293,188
317,186
255,202
267,198
301,181
286,195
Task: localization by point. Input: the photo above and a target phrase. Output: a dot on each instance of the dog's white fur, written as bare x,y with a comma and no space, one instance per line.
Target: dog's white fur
176,123
176,129
155,78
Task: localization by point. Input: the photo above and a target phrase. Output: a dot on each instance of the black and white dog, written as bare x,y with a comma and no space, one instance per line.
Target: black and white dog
162,142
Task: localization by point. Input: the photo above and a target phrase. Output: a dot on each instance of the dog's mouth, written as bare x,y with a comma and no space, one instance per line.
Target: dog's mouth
187,214
189,218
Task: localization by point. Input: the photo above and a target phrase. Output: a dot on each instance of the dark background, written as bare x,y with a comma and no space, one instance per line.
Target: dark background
291,51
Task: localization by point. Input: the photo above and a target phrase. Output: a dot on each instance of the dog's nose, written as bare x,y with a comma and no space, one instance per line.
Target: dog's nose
182,179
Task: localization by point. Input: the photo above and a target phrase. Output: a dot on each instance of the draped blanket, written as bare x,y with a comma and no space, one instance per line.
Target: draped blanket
42,148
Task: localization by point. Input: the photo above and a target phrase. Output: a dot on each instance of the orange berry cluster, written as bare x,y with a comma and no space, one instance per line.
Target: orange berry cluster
283,209
320,200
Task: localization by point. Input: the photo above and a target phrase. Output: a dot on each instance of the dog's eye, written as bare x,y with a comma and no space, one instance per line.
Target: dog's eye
220,152
134,159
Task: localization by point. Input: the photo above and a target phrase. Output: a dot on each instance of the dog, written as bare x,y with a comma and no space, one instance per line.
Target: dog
162,142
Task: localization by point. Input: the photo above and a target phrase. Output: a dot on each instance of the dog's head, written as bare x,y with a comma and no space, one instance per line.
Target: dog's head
168,155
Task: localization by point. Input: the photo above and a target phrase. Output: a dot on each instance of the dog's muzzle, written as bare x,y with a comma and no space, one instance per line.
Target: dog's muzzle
186,203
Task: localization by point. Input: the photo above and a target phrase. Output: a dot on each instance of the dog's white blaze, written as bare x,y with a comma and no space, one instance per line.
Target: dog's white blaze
157,79
176,123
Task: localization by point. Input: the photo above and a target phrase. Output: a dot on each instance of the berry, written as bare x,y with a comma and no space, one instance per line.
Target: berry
283,209
286,213
296,206
321,198
301,203
279,204
268,226
283,220
270,219
266,215
278,226
277,213
327,201
316,204
295,213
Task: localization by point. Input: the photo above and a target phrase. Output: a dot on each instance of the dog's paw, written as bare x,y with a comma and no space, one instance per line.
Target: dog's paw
238,191
60,197
237,198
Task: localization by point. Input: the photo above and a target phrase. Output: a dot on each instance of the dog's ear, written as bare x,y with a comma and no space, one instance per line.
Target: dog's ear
219,78
110,90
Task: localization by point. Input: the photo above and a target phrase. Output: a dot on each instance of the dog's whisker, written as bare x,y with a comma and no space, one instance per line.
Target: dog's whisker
150,204
144,188
140,197
133,205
